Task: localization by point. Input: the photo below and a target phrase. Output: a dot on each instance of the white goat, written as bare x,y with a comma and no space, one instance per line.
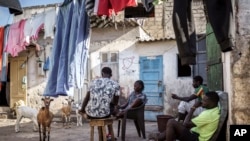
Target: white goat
66,112
78,116
22,111
15,105
26,112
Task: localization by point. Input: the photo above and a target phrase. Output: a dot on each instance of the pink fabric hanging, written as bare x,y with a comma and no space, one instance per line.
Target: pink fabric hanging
15,42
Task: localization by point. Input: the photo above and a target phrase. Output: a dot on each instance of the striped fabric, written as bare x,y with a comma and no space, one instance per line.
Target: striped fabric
89,5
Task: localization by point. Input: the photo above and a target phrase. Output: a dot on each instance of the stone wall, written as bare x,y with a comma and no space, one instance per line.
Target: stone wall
240,65
161,26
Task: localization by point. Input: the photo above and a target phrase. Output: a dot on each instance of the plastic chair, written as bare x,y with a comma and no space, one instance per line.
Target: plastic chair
223,103
137,114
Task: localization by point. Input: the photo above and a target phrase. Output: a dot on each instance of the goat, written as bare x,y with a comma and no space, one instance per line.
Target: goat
66,111
78,115
44,118
26,112
15,105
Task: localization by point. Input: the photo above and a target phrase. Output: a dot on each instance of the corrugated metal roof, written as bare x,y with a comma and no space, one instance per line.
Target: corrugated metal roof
103,22
155,39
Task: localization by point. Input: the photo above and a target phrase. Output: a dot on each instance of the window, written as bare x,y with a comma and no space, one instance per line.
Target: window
109,57
183,71
201,58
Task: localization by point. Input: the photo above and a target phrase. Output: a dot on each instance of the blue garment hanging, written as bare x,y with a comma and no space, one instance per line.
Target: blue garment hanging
46,65
72,27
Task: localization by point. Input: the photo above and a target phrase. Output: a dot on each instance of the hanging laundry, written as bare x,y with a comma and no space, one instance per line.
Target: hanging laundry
184,28
96,7
119,5
49,23
32,27
46,65
148,4
15,42
183,23
57,83
1,45
80,52
90,4
222,16
69,48
5,55
106,7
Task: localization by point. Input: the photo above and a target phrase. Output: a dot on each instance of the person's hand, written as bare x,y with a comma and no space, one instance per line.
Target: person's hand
174,96
81,112
197,104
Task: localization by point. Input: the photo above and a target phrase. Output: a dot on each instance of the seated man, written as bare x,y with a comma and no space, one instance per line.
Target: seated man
135,99
193,100
103,94
200,128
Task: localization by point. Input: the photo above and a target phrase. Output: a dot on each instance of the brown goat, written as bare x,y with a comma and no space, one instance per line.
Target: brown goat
44,118
66,111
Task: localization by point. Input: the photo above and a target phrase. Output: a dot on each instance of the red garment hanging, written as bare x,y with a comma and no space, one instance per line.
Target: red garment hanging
107,6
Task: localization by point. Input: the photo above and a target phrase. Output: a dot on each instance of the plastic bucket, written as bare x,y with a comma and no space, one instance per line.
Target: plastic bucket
162,122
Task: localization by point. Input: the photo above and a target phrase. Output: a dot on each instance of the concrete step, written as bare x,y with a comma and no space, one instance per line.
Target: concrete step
3,115
4,109
4,112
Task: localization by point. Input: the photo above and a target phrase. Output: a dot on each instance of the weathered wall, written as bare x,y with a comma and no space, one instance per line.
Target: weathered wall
240,66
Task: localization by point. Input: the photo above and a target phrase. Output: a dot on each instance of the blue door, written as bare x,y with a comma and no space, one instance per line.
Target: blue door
151,74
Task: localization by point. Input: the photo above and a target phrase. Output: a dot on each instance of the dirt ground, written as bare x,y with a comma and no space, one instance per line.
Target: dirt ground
58,133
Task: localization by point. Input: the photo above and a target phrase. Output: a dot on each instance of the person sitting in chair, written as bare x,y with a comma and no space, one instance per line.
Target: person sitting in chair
192,100
102,97
200,128
135,99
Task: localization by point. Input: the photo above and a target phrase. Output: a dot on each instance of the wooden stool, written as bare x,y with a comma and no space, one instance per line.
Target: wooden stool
101,123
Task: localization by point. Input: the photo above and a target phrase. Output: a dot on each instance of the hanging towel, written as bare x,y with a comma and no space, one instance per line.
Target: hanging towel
148,4
46,65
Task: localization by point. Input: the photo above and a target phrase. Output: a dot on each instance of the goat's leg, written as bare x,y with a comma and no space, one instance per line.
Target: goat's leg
63,120
77,120
66,119
68,122
44,132
34,123
19,117
48,132
80,120
39,129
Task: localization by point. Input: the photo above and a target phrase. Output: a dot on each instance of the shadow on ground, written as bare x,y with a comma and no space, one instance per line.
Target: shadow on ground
58,133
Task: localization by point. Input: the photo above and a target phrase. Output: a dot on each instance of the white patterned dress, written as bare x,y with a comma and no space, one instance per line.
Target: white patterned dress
102,91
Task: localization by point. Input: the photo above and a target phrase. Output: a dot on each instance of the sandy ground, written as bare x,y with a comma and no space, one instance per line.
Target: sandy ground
58,133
